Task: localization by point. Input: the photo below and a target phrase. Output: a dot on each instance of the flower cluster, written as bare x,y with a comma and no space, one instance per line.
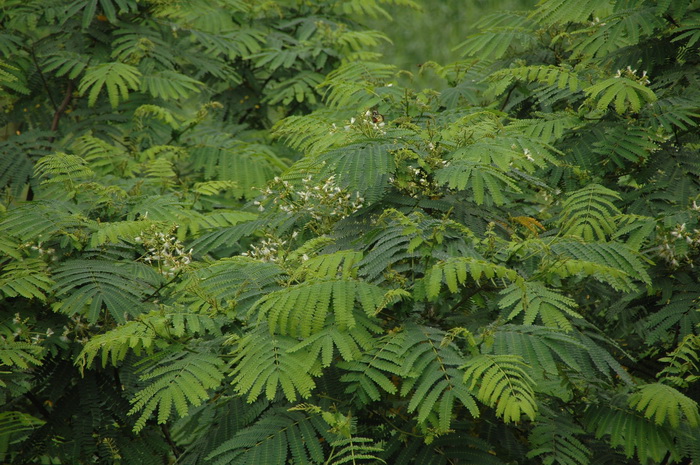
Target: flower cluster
270,249
678,246
325,203
630,73
164,250
22,330
370,123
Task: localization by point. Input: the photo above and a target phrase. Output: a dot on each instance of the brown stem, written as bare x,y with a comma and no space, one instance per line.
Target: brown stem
62,107
166,434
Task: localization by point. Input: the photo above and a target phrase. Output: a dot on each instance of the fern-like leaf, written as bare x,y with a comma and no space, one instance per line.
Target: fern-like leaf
170,85
503,381
553,440
480,178
631,431
84,286
589,213
279,437
266,362
664,403
455,271
176,382
19,354
609,262
683,363
302,310
625,93
62,167
28,278
342,264
371,374
432,375
535,299
353,84
350,343
363,167
117,77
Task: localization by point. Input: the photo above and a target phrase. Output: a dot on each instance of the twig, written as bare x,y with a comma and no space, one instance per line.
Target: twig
62,108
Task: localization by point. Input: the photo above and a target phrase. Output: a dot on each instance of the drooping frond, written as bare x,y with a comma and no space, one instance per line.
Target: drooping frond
114,345
85,286
683,363
625,27
680,314
503,382
27,278
625,93
630,430
663,403
350,343
627,144
221,157
547,128
562,78
542,348
373,8
610,262
240,280
63,62
563,11
535,299
117,77
264,362
353,83
354,450
40,220
455,272
19,354
480,178
371,374
554,440
146,334
178,381
497,42
341,264
589,213
311,134
433,378
279,437
302,310
13,423
170,85
362,167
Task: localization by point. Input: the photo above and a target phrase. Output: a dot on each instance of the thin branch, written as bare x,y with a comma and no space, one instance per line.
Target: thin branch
169,440
62,108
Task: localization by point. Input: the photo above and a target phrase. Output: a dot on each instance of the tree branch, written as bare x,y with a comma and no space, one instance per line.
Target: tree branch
62,108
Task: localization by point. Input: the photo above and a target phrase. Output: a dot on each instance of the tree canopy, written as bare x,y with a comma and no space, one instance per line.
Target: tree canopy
231,233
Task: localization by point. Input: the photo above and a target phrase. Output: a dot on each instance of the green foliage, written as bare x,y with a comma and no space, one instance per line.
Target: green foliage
175,382
212,211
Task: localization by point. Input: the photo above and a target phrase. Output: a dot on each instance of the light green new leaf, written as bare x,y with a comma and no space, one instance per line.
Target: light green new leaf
503,382
117,77
626,93
19,354
664,403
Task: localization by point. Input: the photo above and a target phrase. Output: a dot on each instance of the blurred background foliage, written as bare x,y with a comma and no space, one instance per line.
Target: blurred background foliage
433,33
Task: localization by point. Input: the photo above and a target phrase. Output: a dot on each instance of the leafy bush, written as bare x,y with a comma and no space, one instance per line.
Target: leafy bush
230,234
